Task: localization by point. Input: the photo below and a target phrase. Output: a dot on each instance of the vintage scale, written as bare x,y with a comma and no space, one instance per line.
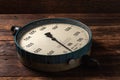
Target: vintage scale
52,44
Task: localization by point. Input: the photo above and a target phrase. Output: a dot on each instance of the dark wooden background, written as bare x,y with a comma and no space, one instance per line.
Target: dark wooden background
102,16
59,6
105,48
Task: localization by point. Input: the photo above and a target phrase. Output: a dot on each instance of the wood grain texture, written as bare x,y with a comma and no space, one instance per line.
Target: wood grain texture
57,6
106,48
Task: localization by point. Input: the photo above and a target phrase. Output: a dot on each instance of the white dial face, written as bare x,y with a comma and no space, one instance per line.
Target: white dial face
54,39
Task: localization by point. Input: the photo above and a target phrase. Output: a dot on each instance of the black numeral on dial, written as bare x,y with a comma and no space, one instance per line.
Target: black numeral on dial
55,27
80,39
43,28
68,28
37,50
70,44
29,45
76,33
27,38
32,32
50,52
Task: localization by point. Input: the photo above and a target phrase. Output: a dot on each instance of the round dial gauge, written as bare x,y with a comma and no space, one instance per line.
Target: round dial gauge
53,44
54,39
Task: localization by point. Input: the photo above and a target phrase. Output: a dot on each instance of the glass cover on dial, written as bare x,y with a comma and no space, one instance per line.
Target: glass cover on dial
54,39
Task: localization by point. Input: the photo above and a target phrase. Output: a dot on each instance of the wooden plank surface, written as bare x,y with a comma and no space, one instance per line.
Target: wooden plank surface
57,6
106,48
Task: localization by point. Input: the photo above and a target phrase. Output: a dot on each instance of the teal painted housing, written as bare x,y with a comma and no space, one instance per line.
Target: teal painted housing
52,59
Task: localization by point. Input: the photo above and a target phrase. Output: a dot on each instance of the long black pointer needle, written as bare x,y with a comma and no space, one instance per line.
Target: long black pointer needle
54,39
